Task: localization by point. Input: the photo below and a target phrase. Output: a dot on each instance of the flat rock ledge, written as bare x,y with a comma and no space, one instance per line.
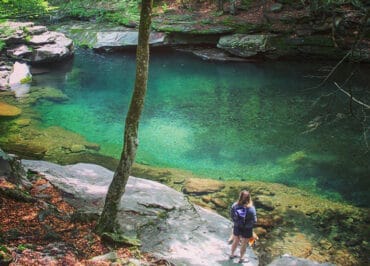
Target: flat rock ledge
167,224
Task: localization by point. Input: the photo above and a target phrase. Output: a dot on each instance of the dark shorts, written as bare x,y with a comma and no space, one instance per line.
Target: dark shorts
243,232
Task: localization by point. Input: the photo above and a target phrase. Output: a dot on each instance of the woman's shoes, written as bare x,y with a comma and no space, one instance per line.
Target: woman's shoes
232,257
242,260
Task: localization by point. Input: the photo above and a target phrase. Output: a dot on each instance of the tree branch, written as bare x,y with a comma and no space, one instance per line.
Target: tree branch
352,98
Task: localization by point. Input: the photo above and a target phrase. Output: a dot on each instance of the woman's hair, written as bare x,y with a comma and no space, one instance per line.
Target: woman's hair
245,198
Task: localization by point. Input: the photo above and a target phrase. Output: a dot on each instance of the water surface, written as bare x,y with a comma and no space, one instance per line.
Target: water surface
248,121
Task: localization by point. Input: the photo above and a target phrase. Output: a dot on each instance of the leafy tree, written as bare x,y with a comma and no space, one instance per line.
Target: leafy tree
22,8
107,221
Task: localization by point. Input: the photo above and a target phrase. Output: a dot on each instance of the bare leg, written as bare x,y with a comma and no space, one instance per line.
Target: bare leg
231,238
236,240
243,247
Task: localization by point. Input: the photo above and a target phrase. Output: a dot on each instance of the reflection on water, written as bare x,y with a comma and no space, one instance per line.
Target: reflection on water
224,120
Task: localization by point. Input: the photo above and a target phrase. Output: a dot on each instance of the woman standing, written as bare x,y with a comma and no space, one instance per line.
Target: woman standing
244,216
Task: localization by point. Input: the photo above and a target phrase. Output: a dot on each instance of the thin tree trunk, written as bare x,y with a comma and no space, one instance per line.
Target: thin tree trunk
107,221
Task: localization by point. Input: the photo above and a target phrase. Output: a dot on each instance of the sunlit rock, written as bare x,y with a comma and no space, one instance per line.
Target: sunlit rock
33,30
55,47
35,44
23,122
244,45
19,79
9,110
20,51
124,39
198,186
166,223
77,148
264,202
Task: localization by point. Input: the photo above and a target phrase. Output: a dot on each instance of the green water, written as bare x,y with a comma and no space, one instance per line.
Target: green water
248,121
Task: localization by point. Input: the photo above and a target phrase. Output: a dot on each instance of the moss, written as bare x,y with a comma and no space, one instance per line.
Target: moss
244,27
26,80
17,194
119,238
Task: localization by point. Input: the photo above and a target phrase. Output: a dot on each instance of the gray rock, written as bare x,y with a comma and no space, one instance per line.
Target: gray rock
54,47
276,7
244,45
51,53
12,169
124,39
264,202
36,30
287,260
18,79
167,224
111,256
35,43
4,79
21,51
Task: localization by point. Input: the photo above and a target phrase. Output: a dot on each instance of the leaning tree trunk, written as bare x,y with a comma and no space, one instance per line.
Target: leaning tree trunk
107,221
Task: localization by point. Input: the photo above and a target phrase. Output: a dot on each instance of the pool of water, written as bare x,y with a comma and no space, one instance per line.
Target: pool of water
248,121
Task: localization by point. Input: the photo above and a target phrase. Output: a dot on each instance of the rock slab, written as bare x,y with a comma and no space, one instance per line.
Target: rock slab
167,224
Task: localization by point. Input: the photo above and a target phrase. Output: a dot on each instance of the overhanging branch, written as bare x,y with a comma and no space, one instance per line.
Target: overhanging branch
352,98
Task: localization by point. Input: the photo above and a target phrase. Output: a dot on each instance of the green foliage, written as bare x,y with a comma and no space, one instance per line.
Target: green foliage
325,5
23,8
121,11
27,79
22,247
2,45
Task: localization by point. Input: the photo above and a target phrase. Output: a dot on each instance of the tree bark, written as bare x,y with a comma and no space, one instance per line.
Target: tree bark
107,221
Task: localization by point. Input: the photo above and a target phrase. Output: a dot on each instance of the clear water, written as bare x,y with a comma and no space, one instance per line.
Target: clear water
248,121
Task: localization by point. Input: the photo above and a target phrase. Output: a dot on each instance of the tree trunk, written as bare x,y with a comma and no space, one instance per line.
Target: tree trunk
220,5
107,221
233,7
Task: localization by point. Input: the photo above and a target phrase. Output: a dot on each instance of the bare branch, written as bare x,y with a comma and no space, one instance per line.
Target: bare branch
352,98
332,71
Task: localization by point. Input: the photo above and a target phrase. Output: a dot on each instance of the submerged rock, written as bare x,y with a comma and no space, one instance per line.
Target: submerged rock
198,186
286,260
167,224
9,110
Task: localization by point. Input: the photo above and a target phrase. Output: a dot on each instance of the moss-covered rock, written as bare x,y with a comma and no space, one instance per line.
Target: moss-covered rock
202,186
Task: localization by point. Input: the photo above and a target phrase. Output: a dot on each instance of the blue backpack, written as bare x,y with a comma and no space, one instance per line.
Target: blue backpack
239,215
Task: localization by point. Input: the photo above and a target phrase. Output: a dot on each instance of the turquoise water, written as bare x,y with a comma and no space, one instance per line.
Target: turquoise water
248,121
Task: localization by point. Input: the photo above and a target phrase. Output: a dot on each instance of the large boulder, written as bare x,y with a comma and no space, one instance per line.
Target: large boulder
166,223
12,170
119,39
19,79
35,44
244,45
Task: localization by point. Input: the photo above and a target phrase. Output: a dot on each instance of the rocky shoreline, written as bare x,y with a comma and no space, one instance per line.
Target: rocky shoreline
169,217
